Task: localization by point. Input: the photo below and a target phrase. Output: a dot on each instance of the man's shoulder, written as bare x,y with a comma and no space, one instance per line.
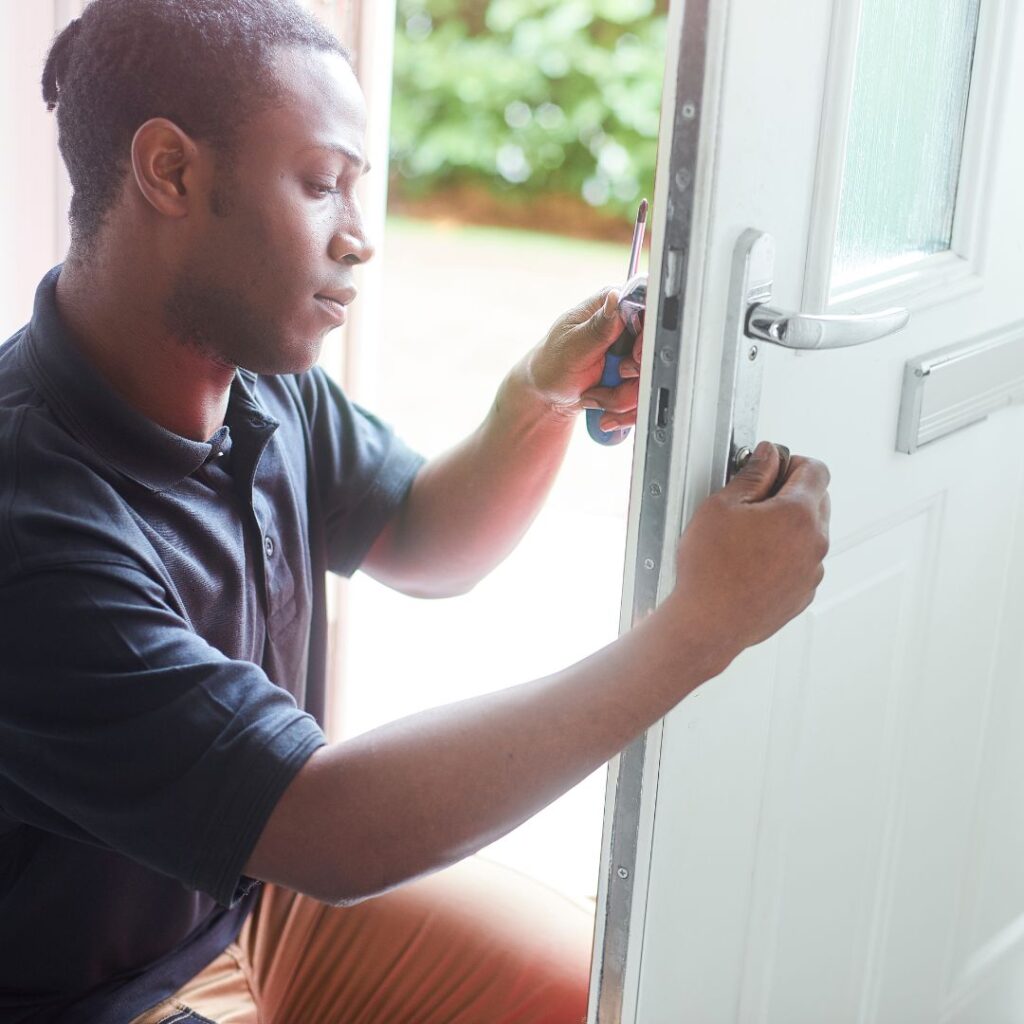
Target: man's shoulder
57,506
16,388
23,412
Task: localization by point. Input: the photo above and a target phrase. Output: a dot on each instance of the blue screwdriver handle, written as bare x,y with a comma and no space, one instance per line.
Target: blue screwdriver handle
632,305
610,378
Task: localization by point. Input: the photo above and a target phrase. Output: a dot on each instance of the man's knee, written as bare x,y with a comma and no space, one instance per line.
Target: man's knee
483,942
528,945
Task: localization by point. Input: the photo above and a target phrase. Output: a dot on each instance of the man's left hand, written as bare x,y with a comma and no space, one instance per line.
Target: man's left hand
566,367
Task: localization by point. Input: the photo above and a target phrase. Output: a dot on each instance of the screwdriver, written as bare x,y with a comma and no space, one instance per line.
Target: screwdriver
632,302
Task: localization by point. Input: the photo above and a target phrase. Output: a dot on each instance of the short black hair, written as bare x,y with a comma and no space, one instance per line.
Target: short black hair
203,64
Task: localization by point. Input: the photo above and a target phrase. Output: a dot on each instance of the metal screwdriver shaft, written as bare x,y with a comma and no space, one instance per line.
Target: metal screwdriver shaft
638,239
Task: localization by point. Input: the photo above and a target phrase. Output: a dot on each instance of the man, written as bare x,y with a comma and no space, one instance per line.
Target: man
174,481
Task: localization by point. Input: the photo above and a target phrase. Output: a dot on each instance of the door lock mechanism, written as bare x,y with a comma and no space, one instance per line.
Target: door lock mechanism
751,322
740,459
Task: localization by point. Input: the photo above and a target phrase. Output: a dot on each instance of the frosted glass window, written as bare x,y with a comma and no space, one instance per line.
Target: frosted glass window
909,104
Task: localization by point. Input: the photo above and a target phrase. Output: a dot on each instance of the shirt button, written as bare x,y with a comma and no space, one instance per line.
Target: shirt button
268,546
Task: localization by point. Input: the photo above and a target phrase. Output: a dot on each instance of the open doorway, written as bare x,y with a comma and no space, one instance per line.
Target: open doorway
521,142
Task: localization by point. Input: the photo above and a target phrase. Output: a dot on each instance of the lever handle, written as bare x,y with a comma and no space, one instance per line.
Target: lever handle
802,331
752,316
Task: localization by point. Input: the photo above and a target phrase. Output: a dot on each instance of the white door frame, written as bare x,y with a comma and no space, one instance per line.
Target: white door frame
367,28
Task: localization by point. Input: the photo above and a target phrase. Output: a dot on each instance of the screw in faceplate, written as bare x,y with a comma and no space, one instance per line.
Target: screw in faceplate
752,354
648,563
683,178
622,872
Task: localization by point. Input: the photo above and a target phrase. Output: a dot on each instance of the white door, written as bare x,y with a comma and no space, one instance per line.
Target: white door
833,831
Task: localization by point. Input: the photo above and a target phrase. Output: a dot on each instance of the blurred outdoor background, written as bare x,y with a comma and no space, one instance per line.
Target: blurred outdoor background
523,135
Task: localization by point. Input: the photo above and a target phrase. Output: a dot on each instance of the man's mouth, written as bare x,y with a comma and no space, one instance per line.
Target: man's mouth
335,307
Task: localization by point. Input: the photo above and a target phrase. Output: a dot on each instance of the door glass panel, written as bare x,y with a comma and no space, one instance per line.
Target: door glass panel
908,107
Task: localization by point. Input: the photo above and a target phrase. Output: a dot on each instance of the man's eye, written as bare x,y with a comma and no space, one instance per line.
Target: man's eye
321,189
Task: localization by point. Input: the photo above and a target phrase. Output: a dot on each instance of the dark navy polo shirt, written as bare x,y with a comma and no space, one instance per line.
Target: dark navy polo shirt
163,637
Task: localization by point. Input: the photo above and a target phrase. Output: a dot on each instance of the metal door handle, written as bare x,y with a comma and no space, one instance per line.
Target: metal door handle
802,331
752,318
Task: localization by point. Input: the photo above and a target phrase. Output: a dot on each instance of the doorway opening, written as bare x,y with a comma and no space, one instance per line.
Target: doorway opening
510,201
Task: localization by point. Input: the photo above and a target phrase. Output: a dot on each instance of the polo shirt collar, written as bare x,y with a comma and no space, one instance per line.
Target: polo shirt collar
93,412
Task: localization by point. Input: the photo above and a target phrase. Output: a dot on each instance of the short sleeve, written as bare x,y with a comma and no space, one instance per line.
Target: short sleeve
122,728
362,470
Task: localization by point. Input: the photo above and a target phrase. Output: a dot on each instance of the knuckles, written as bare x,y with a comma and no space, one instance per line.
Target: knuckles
823,546
820,473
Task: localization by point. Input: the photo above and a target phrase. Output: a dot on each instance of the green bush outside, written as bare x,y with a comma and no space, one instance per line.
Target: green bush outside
528,97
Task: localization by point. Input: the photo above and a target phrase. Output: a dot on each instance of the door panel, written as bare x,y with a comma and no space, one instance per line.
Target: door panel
846,689
833,830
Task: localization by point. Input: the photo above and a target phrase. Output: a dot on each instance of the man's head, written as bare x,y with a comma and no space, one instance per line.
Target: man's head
224,137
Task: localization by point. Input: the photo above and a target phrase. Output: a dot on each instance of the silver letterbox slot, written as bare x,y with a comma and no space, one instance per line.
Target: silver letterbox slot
959,385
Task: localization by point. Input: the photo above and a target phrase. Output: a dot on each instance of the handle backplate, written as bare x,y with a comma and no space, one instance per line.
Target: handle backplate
739,400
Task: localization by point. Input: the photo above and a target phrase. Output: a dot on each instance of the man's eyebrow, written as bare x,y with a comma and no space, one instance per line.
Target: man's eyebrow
353,156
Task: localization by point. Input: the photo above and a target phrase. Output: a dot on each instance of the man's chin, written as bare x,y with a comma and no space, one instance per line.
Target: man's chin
296,359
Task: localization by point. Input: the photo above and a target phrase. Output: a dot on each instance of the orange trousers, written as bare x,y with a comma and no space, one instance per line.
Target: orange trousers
476,944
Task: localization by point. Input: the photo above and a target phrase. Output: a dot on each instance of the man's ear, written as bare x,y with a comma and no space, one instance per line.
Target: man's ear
164,162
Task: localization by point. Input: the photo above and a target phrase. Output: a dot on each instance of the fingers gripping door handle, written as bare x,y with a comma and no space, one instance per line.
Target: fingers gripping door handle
751,321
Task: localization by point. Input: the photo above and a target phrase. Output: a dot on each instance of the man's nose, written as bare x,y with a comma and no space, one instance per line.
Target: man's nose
351,244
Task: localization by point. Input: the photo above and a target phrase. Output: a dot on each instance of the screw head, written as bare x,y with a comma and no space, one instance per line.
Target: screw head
689,110
622,872
752,354
648,563
683,178
742,457
660,436
655,490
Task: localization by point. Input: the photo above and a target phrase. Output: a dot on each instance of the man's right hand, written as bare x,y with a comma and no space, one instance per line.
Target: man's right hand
749,562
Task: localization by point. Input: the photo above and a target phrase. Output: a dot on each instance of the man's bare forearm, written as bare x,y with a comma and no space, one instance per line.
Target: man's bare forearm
420,793
470,506
365,815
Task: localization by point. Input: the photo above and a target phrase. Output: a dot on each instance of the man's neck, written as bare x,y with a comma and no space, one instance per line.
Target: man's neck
114,316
